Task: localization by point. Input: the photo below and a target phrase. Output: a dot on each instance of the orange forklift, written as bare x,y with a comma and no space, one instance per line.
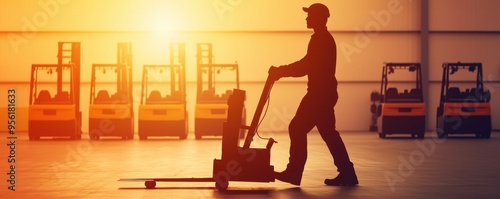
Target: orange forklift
111,107
401,112
58,115
211,105
463,111
162,111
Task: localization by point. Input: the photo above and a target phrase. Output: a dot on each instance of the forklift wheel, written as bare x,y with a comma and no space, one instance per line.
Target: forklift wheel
221,187
150,184
381,135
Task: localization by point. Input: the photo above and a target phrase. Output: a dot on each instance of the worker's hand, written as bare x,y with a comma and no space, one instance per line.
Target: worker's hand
274,73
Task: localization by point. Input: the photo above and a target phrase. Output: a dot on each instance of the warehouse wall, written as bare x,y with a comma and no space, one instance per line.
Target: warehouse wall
256,34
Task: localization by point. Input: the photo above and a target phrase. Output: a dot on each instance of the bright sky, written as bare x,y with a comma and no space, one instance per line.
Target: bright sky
183,15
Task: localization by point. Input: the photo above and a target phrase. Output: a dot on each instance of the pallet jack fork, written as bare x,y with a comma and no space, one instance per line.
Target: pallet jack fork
238,163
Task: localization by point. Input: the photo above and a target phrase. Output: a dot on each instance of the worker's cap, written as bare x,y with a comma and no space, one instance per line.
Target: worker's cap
317,9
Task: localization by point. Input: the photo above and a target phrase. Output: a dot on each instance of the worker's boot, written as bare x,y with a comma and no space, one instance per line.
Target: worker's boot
346,178
289,176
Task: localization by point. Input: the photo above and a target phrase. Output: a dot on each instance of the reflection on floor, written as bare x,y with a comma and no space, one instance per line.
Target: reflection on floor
387,168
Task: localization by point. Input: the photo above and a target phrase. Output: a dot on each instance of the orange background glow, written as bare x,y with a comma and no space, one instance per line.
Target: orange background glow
254,33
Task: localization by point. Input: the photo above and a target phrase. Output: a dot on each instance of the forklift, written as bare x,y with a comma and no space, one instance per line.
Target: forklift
211,105
162,111
401,112
58,115
463,111
238,163
111,107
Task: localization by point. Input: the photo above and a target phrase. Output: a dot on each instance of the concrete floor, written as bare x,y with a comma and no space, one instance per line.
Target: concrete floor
387,168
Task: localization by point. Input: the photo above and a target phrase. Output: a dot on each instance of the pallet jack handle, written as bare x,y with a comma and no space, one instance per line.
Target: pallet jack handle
258,112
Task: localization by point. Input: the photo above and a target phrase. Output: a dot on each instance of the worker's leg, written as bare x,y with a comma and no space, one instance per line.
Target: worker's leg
300,125
326,128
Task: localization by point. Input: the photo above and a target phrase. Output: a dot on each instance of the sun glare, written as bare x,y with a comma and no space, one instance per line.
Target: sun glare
164,21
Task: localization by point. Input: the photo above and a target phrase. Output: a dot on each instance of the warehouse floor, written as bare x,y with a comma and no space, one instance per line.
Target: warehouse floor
387,168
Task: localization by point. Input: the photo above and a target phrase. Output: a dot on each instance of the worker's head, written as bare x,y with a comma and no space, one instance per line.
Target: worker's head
317,15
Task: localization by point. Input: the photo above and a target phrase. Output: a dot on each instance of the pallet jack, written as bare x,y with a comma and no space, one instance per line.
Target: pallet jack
59,115
238,163
211,108
401,112
117,108
467,111
164,116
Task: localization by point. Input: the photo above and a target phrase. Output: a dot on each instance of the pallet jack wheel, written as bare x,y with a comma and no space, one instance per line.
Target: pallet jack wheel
198,137
420,136
143,137
381,135
183,137
221,187
150,184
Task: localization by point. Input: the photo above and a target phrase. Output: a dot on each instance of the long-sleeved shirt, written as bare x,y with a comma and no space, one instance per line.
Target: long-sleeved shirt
318,64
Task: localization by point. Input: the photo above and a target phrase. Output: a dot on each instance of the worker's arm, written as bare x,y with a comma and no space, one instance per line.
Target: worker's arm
303,66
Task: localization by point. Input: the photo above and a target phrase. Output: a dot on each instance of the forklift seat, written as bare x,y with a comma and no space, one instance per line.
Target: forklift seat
102,97
154,97
416,93
43,97
391,93
120,97
175,95
62,97
453,94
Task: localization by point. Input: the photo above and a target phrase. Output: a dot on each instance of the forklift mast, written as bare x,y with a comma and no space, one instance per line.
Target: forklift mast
71,56
178,57
68,54
204,62
124,77
204,56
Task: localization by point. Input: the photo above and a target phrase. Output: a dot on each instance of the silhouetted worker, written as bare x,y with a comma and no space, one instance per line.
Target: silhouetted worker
316,108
